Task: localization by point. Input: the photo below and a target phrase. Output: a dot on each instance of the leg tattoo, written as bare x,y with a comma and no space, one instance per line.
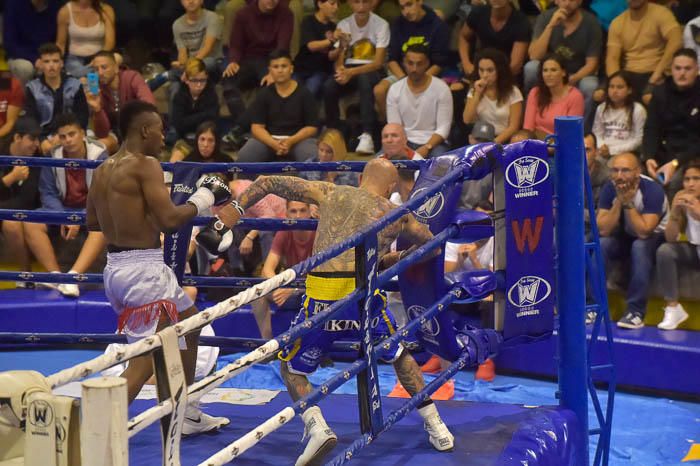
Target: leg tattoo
409,373
297,385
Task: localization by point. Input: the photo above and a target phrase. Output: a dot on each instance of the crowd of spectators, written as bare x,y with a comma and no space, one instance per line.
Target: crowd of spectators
259,81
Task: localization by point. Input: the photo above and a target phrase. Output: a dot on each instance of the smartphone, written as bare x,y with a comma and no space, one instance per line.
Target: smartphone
93,81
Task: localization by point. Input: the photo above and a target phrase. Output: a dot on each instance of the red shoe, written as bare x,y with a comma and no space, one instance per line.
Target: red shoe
446,392
399,392
486,371
432,364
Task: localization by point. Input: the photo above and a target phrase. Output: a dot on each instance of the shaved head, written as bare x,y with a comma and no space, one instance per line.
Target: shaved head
381,176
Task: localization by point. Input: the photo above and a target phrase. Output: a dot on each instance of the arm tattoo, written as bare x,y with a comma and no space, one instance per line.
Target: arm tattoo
409,374
288,187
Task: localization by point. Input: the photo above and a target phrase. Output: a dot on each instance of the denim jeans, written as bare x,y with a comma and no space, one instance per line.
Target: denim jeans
669,258
434,152
640,255
364,86
313,82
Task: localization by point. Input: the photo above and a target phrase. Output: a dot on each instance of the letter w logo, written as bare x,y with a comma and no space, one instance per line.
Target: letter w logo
527,294
40,415
526,173
524,234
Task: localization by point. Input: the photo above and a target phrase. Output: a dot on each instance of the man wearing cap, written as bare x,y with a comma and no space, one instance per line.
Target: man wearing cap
19,186
482,132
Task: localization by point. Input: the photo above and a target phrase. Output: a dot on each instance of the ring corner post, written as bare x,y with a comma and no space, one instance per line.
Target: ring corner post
571,278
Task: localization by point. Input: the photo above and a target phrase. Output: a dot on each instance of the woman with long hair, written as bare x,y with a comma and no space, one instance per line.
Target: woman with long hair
332,148
494,98
552,97
619,121
86,27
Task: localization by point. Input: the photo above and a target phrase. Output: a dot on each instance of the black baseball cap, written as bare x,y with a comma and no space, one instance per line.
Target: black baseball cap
27,125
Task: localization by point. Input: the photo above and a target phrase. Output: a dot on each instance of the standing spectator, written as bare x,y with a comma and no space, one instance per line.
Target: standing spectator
284,117
642,40
117,87
27,25
358,68
552,97
494,98
86,27
498,25
422,104
685,217
395,143
418,24
259,28
619,121
574,34
53,94
632,212
317,53
672,130
19,186
65,189
11,101
331,148
287,250
194,103
197,34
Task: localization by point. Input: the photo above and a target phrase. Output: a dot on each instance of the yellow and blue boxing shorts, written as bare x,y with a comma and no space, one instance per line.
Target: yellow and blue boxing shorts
322,290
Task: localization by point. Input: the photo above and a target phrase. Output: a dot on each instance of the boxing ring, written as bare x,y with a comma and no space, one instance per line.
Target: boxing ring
432,323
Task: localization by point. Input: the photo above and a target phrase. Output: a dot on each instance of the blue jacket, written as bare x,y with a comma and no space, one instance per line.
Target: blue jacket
430,30
40,100
25,29
52,184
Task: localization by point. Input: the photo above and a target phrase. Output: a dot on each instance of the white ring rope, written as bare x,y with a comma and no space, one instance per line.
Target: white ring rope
182,328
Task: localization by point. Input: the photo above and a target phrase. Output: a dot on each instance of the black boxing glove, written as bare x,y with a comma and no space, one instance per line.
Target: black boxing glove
212,191
215,237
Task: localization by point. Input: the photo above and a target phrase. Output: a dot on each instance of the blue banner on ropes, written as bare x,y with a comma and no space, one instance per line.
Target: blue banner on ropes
529,241
176,244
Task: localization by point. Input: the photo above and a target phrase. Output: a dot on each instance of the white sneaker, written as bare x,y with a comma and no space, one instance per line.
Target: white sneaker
51,286
69,289
321,438
197,422
673,317
366,144
440,437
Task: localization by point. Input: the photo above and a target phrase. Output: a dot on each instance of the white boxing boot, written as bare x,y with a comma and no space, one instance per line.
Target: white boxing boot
197,422
321,438
440,436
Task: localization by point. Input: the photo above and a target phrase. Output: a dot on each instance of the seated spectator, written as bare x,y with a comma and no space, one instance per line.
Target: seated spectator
331,148
53,94
358,68
85,27
552,97
288,249
65,189
574,34
194,103
206,148
619,121
421,104
251,247
632,214
319,36
19,187
33,23
498,25
418,24
494,98
11,102
607,10
283,118
672,129
597,167
395,144
117,87
691,35
642,40
197,34
684,218
260,28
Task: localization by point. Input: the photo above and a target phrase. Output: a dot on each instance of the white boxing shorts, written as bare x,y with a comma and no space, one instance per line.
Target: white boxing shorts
140,286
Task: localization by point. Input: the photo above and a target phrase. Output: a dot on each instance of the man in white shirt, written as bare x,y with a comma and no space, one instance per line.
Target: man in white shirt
365,38
422,104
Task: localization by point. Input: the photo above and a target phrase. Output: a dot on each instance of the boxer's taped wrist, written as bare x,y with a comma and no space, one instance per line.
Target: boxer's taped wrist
202,199
236,205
